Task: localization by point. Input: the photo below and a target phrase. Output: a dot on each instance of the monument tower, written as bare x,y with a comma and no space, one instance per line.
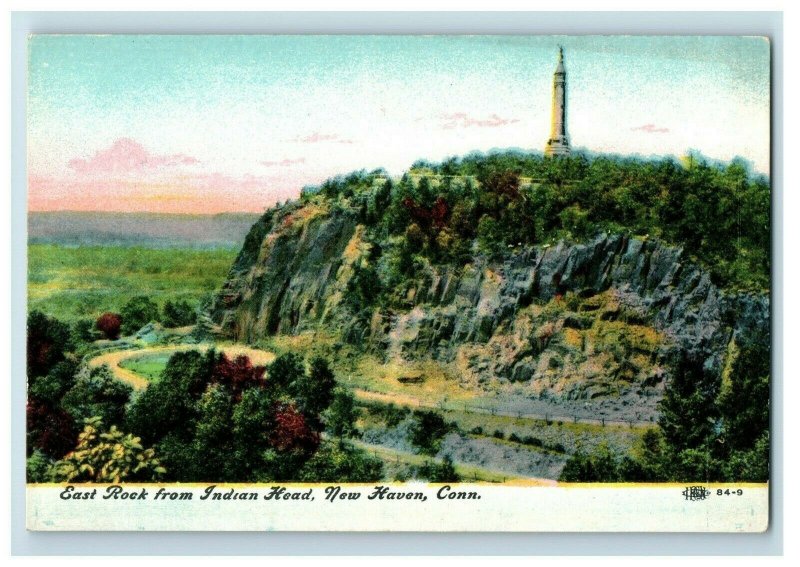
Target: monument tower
558,144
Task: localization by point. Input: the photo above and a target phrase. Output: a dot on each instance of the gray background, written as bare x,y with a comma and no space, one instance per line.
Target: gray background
145,543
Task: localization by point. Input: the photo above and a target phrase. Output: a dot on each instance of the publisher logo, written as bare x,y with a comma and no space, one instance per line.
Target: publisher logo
694,493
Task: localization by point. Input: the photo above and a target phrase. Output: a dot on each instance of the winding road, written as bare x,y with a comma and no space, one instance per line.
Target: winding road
138,382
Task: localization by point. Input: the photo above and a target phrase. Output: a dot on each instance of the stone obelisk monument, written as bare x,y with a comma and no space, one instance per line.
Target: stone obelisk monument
558,144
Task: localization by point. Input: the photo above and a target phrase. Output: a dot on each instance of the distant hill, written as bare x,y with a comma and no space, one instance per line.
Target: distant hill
152,230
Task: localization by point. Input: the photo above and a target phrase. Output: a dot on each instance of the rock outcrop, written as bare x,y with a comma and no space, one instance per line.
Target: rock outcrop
492,317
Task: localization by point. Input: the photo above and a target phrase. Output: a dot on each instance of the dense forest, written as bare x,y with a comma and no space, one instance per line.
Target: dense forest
437,212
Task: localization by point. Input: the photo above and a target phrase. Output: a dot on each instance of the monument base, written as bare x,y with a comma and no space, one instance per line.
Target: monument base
557,148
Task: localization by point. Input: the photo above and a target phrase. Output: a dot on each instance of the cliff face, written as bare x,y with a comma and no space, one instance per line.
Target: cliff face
290,274
564,320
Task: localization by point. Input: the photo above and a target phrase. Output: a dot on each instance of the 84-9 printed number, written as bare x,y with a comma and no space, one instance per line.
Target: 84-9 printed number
729,492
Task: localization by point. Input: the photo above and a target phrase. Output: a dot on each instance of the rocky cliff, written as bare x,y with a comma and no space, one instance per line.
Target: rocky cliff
575,321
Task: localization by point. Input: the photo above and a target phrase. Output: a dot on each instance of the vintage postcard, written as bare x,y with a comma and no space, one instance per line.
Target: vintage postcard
409,283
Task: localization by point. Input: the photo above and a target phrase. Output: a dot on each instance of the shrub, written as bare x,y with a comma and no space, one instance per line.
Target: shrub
340,418
599,466
498,434
83,331
51,388
138,312
37,467
49,429
390,413
341,462
515,438
97,393
178,313
110,325
427,431
109,457
439,472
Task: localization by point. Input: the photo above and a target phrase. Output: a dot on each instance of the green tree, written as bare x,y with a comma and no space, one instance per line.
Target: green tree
341,416
744,399
363,288
285,371
97,393
178,313
37,467
83,331
252,423
750,465
574,220
337,461
169,405
211,446
490,237
689,415
383,198
427,431
313,391
138,312
651,463
599,466
439,472
59,380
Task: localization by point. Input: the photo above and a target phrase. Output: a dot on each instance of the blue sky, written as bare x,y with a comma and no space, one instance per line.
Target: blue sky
212,123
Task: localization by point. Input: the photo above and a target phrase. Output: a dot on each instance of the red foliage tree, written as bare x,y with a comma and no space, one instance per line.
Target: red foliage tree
51,430
109,324
292,430
436,216
439,213
419,214
238,374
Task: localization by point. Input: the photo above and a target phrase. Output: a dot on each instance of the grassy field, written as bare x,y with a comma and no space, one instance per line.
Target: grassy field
148,365
83,282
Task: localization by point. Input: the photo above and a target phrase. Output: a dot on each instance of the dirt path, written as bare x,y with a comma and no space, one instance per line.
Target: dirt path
114,359
412,402
261,357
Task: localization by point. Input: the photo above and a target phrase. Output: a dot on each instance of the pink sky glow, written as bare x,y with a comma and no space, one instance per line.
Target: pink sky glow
127,177
650,129
127,156
464,120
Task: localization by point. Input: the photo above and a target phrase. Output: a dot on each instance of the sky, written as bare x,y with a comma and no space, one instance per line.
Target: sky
210,124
